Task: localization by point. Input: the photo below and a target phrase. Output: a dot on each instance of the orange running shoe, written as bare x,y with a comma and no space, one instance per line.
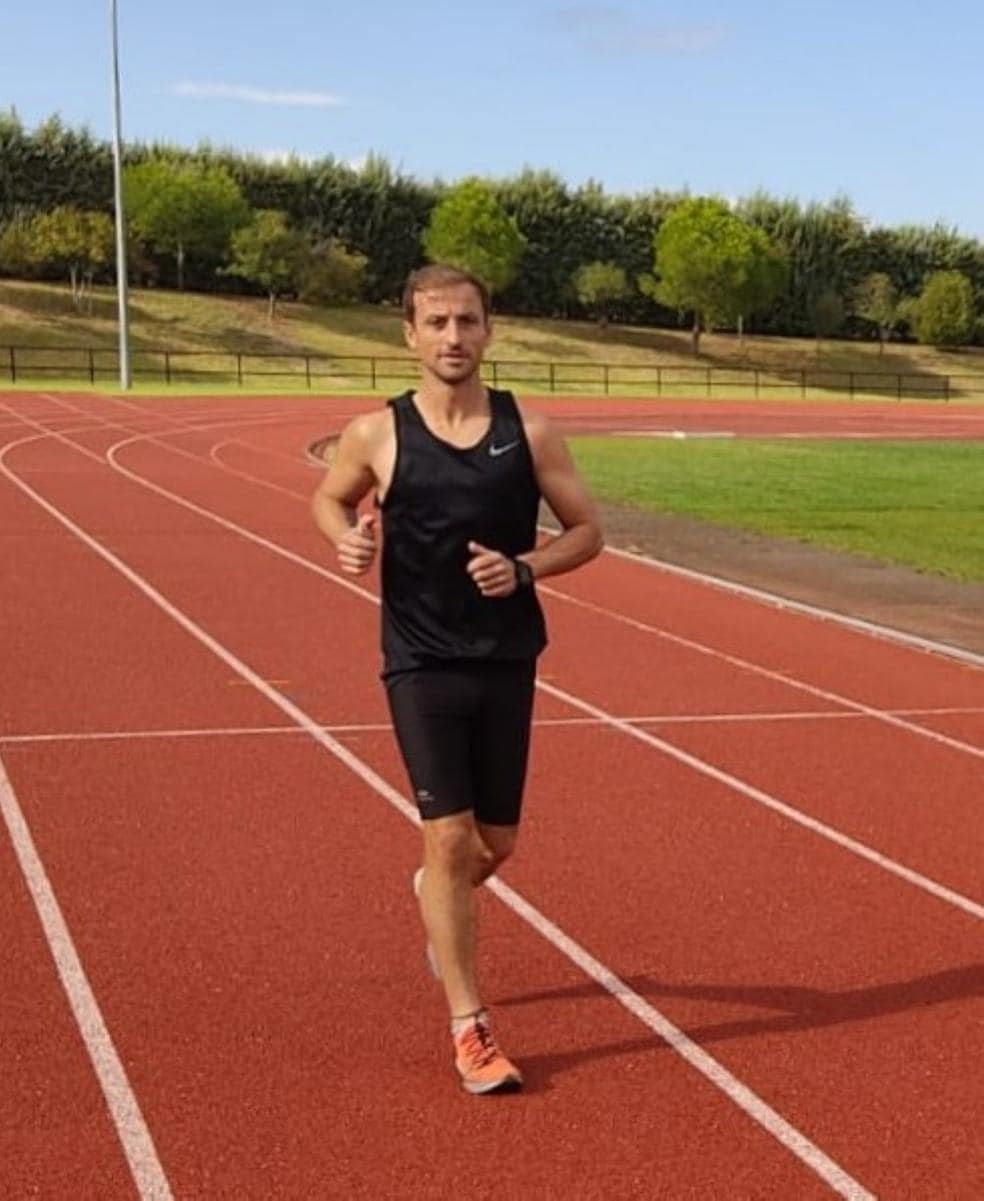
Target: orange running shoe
481,1065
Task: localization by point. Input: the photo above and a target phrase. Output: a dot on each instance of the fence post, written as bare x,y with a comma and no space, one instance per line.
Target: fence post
307,369
372,373
13,365
167,367
92,366
900,385
659,381
553,380
850,384
946,388
604,368
239,368
495,373
803,383
707,386
756,382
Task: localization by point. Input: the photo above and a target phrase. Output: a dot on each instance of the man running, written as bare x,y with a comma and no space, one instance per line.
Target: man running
458,471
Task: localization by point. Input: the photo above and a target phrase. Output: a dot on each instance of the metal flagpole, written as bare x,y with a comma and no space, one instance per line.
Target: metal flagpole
121,272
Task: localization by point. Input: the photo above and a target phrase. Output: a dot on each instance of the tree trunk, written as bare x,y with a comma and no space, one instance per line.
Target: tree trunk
741,332
695,335
181,267
881,341
273,305
73,275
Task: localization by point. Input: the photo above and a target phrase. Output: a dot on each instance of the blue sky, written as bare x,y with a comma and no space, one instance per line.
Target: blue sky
879,101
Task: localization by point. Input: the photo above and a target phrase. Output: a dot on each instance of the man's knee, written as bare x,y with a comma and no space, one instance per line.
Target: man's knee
497,844
449,843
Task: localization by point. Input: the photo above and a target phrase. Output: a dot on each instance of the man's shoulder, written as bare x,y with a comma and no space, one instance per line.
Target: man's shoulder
536,424
369,428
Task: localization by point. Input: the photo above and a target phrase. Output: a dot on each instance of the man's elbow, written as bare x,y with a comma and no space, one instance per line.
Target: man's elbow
595,539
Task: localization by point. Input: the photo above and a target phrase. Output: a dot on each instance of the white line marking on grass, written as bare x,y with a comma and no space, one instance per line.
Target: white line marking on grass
135,1138
740,1094
768,673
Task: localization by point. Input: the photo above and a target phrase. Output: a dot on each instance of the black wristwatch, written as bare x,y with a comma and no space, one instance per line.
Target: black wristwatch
524,574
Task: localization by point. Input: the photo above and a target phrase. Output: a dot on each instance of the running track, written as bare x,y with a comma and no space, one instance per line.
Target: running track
739,954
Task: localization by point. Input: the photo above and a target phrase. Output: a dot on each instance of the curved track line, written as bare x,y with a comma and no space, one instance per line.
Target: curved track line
701,648
927,884
124,1109
760,595
739,1093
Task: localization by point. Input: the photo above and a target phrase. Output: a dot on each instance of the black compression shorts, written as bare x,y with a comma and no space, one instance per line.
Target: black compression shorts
464,732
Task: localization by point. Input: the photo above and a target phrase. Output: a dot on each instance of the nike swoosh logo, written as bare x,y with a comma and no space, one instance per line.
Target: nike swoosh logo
495,451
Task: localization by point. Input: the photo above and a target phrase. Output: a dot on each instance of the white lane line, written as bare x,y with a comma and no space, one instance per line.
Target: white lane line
135,1138
244,731
746,665
862,850
739,1093
768,673
845,841
652,719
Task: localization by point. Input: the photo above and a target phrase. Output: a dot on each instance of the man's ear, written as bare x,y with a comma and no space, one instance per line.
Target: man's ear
410,335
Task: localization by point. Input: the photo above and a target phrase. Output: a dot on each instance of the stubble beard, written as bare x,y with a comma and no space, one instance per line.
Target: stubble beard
464,374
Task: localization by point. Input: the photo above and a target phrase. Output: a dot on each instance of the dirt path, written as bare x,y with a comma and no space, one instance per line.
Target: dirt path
927,605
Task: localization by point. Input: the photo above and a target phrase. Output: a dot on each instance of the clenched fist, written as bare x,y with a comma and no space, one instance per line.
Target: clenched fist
493,572
357,549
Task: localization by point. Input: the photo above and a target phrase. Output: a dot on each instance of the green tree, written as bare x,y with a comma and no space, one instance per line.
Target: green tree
184,209
826,314
18,255
944,313
74,241
269,253
600,285
470,229
877,300
763,278
712,264
332,274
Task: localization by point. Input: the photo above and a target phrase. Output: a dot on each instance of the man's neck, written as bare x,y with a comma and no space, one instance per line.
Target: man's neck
452,403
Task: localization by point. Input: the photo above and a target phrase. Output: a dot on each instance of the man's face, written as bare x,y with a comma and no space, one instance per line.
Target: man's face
449,332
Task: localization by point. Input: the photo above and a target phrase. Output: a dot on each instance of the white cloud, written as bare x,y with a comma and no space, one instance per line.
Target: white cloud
615,29
227,91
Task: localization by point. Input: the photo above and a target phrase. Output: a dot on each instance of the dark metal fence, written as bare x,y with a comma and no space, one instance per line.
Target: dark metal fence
373,372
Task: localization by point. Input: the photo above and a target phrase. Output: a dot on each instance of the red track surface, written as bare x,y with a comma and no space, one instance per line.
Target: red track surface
766,826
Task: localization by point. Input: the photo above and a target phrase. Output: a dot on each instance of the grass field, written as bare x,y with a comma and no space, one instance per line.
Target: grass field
918,504
217,329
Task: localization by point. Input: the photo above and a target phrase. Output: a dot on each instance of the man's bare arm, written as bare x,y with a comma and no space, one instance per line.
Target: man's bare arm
568,496
335,503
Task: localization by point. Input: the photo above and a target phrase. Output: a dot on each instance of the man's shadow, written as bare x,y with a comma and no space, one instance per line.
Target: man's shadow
794,1009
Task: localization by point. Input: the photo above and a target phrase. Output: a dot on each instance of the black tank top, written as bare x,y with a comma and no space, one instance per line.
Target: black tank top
442,497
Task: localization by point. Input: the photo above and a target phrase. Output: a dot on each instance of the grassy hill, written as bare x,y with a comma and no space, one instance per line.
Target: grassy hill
217,328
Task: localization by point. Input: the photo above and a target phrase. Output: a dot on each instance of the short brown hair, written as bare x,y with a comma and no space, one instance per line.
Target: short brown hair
441,275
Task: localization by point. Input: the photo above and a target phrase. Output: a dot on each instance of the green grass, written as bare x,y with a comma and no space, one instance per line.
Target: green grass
215,328
918,504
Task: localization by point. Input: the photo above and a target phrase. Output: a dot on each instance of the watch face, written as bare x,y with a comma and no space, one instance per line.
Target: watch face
524,574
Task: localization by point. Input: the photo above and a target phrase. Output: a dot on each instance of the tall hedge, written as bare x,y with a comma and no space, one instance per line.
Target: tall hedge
382,213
